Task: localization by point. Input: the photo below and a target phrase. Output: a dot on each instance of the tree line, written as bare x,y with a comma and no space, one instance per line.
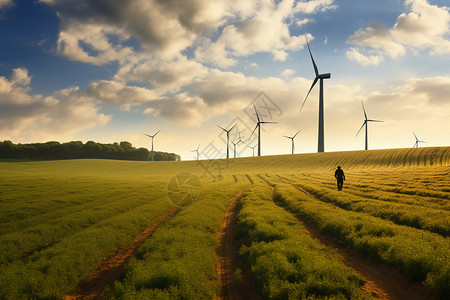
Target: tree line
78,150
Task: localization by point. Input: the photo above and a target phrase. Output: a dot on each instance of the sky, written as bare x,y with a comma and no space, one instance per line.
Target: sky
110,71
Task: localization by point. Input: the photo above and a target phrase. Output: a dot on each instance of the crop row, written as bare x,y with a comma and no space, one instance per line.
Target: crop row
286,262
421,255
178,261
55,270
403,211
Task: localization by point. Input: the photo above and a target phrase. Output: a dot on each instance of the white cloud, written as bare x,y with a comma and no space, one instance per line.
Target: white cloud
377,37
425,27
164,76
303,22
219,31
266,31
287,73
33,117
184,109
19,76
119,94
310,7
371,60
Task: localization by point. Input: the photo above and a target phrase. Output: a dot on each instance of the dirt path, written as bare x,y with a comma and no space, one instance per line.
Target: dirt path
234,285
382,281
112,267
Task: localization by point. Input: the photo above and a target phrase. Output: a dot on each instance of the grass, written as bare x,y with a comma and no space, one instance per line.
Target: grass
59,219
178,262
421,255
286,262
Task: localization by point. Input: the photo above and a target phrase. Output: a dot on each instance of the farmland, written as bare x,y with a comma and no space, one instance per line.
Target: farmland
295,235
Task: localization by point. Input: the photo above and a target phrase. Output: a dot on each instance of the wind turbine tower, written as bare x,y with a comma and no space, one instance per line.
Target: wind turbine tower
196,150
228,138
258,125
235,144
292,139
321,77
152,136
365,123
253,148
416,144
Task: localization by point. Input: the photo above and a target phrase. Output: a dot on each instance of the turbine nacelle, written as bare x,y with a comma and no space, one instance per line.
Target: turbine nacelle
324,76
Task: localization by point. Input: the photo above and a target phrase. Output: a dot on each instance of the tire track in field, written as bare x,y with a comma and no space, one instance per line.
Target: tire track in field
112,267
382,281
233,285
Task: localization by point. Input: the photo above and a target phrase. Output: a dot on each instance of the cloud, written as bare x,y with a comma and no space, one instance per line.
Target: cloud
164,76
218,32
371,60
184,109
119,94
303,22
5,4
416,99
287,73
425,27
378,37
310,7
32,117
267,30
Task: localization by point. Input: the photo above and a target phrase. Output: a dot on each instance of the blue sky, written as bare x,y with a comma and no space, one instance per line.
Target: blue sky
97,70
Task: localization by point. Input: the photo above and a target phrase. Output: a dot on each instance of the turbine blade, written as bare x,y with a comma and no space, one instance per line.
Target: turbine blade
314,83
253,132
364,109
286,136
222,128
316,70
268,122
415,136
257,116
296,134
232,127
361,128
156,133
198,147
374,121
147,135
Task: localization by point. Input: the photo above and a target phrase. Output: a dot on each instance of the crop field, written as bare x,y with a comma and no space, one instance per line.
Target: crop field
273,227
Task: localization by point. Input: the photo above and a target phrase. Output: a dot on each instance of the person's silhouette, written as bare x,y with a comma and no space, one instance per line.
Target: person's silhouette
339,175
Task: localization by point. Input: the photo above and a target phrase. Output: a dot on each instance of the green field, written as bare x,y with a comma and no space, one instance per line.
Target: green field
60,219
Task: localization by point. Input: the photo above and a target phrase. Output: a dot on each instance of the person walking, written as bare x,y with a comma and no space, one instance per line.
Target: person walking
339,175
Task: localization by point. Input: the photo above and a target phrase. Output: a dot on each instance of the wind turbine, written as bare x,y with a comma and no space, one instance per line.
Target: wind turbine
235,144
253,148
292,139
320,147
258,125
416,144
196,150
366,121
228,138
152,136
